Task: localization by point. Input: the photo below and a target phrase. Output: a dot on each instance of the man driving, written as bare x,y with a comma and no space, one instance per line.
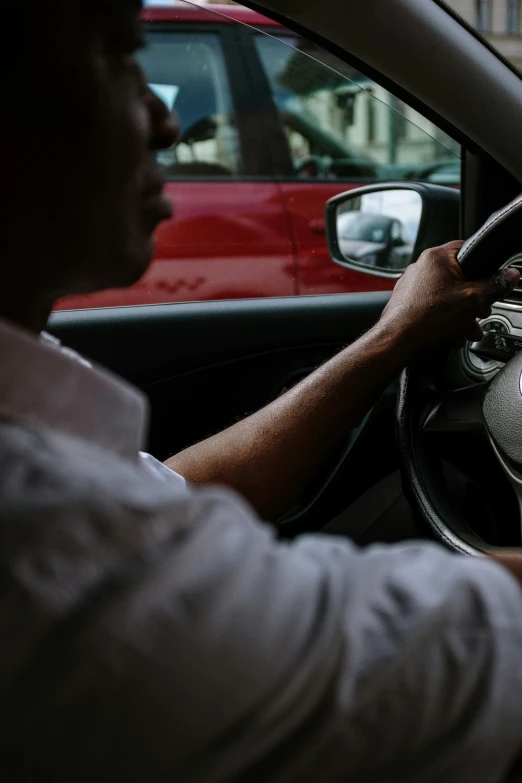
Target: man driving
153,628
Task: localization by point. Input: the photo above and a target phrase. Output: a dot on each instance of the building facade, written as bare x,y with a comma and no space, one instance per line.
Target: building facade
499,20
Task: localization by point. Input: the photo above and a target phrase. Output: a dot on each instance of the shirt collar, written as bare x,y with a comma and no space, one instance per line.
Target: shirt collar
45,385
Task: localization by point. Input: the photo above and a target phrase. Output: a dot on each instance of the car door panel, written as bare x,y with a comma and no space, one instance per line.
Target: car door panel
205,365
143,344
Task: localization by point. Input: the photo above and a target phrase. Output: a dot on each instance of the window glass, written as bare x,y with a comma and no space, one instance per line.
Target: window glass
341,125
482,15
187,71
252,172
513,17
498,20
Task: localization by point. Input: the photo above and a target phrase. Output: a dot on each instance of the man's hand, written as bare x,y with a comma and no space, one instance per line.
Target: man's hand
512,562
433,304
272,456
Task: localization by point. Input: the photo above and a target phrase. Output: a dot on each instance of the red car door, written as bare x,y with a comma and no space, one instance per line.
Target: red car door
316,272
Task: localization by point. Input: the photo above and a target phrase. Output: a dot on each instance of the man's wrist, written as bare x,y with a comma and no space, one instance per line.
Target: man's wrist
397,339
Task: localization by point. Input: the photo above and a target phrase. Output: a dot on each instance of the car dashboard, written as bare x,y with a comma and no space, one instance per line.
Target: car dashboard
502,336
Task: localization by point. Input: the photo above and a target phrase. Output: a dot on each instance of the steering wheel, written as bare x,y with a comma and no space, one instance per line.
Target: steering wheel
312,167
491,411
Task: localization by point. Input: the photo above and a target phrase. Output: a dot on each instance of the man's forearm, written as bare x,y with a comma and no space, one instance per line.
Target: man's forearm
271,456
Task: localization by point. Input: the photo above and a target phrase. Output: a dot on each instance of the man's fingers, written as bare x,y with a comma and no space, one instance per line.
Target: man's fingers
498,287
453,247
474,332
506,280
488,292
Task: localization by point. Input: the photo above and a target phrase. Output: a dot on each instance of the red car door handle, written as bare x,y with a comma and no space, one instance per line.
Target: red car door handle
317,225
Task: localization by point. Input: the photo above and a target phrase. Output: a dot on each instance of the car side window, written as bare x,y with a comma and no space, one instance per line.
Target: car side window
188,71
339,124
272,126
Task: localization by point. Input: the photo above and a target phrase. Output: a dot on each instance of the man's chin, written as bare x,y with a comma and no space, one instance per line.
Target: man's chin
122,272
135,266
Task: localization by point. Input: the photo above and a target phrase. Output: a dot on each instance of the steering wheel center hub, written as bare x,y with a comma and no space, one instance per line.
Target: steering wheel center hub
502,409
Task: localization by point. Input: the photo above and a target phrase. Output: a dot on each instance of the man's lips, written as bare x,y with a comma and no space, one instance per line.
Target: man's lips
155,202
158,204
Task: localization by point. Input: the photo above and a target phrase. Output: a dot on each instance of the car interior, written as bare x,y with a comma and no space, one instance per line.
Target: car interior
219,360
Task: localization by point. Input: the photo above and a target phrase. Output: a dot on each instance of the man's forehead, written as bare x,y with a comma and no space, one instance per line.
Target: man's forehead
110,8
117,18
88,10
54,29
125,6
107,6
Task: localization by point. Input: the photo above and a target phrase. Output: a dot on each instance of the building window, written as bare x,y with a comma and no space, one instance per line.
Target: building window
370,119
482,15
513,17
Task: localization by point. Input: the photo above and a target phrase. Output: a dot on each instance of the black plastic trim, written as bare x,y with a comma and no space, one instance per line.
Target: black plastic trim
139,342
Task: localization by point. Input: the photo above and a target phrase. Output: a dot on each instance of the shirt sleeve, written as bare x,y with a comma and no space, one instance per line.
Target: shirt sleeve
228,656
158,469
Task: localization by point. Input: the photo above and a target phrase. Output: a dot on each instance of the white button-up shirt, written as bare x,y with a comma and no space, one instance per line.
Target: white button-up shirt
152,632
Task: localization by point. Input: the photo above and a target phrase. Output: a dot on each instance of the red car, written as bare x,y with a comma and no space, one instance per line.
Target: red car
271,128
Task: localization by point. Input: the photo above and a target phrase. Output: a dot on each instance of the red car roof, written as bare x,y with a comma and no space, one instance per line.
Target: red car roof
205,13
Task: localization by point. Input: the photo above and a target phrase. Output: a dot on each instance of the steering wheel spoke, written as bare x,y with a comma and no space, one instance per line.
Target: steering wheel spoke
458,411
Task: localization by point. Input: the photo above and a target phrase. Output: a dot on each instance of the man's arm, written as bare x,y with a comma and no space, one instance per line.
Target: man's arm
512,562
271,456
220,654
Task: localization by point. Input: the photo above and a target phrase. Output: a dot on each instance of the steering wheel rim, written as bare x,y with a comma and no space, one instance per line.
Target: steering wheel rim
491,409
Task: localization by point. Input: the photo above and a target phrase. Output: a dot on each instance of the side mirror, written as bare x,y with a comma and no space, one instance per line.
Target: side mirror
381,229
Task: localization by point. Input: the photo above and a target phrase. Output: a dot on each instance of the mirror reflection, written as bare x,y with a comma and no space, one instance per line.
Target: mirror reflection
378,230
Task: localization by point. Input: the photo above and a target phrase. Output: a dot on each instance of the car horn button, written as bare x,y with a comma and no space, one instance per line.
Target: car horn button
502,408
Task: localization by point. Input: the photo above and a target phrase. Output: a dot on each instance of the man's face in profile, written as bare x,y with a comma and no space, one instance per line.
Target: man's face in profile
88,139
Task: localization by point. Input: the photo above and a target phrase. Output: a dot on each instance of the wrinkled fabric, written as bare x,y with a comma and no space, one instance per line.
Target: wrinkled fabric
153,632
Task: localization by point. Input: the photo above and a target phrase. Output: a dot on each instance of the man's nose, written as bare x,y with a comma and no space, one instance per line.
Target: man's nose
165,124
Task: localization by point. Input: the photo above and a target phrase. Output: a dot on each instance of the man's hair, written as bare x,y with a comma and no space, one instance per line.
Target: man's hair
45,34
39,21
